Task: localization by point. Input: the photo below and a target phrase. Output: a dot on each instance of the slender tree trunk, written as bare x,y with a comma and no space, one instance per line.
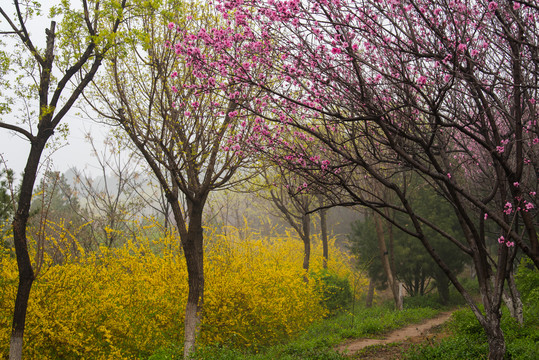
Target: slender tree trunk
417,281
442,285
306,237
491,286
193,247
512,300
391,249
443,290
491,289
370,294
26,272
385,261
19,317
324,231
195,301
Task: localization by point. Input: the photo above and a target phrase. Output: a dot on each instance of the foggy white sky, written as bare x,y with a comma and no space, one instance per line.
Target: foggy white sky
76,152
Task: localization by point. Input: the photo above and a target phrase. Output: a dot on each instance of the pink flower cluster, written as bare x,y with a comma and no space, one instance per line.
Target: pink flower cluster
501,240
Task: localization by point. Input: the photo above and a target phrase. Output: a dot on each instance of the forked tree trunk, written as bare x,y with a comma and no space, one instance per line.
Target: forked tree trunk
394,286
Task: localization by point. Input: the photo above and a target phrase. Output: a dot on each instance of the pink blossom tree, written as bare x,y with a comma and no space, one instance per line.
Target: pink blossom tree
445,90
187,126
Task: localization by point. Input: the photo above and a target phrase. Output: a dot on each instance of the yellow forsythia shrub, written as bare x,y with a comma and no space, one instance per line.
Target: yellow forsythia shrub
128,302
114,304
256,294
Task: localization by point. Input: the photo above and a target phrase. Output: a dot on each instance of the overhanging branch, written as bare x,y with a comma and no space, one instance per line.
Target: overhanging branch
18,129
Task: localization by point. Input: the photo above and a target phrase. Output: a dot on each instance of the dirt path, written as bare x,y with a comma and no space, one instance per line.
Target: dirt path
399,335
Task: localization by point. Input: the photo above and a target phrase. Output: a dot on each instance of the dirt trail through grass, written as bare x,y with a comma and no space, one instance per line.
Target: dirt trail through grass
399,335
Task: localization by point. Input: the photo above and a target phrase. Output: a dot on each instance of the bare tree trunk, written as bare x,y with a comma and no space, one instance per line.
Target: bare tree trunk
195,298
495,338
385,261
324,234
370,294
167,215
442,285
26,272
306,237
512,300
19,317
193,247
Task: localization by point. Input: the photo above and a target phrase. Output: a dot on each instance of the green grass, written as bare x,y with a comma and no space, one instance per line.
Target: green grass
319,340
468,339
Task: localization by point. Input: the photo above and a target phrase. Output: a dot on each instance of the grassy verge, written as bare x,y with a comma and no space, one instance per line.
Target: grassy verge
319,340
468,339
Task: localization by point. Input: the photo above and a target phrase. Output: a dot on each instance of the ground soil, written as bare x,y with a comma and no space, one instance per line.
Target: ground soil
393,344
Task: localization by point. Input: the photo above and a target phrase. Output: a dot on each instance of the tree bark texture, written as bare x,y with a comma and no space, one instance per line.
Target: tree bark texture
385,261
512,299
324,234
495,338
26,271
193,247
370,294
306,237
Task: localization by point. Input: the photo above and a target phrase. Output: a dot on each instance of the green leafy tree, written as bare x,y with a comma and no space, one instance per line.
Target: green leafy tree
364,245
5,63
48,82
7,202
427,202
56,212
6,194
55,193
412,264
